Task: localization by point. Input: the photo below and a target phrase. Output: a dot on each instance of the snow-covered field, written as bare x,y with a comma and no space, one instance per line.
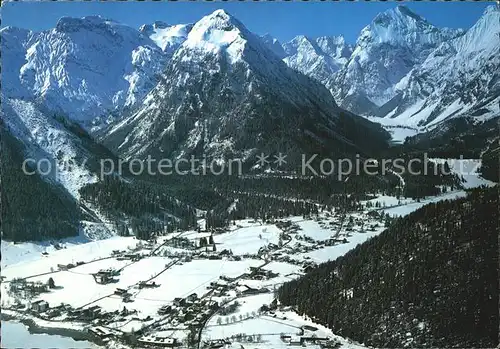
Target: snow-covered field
467,171
413,206
179,277
91,232
21,260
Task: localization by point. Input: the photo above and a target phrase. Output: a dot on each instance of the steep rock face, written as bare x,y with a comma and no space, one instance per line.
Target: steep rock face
459,78
393,44
318,58
83,68
225,93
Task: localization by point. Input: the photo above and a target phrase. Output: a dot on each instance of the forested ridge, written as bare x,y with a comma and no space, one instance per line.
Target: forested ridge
429,280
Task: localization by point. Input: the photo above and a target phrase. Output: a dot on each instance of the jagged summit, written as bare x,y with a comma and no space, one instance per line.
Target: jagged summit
459,77
83,68
401,26
387,49
484,34
319,58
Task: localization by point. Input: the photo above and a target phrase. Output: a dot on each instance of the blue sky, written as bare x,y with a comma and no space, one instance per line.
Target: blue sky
282,20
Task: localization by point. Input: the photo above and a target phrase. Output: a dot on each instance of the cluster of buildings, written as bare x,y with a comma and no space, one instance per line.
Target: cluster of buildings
258,273
302,341
154,341
190,310
33,288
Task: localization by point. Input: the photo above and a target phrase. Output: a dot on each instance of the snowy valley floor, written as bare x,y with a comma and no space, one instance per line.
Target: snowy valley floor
171,289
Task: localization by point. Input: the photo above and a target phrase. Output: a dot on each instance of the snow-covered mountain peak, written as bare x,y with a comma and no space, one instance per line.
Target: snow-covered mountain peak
226,93
401,26
485,34
331,40
330,45
334,45
268,37
218,29
300,42
387,49
399,13
457,78
221,34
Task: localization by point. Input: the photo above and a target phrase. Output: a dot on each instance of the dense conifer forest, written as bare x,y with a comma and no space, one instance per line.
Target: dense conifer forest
429,280
457,137
32,208
490,165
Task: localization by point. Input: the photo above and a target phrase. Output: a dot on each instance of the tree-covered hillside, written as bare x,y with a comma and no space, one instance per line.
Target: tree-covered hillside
32,208
429,280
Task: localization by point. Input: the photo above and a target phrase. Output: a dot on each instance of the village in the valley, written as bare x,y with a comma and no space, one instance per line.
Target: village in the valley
187,289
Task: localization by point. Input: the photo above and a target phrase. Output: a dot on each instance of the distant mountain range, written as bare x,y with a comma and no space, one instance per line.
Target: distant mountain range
226,94
407,71
401,68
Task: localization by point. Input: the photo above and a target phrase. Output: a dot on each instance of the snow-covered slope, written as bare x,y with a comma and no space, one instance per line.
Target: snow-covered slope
318,58
459,78
225,92
274,45
394,43
83,68
167,37
65,153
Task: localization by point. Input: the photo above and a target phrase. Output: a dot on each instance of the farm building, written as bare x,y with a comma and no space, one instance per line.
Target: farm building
92,312
121,292
166,309
101,332
192,297
179,302
39,306
103,277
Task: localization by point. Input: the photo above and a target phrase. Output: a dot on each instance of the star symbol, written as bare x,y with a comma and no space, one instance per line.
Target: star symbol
262,159
280,159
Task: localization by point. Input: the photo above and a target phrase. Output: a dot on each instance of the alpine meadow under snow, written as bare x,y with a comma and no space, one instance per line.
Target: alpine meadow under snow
245,246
